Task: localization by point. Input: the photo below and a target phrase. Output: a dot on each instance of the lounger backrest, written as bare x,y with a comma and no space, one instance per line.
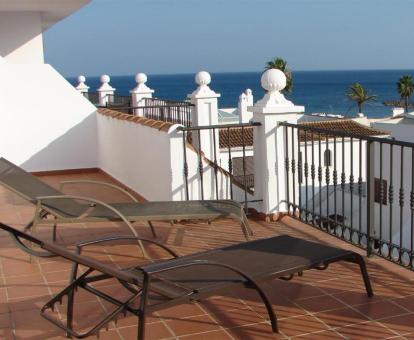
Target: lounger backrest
71,256
29,187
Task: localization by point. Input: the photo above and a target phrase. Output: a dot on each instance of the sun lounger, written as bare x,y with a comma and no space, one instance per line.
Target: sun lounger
78,209
187,278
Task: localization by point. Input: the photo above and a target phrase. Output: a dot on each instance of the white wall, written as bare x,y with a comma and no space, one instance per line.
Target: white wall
136,155
45,124
21,37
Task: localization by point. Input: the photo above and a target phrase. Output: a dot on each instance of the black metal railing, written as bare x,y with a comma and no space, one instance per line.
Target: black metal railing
92,96
167,111
345,184
218,157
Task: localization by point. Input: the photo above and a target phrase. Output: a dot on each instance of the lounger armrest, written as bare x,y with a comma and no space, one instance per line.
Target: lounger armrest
41,200
124,237
110,185
90,263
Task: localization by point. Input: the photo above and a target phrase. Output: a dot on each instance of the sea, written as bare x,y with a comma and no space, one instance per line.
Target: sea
318,91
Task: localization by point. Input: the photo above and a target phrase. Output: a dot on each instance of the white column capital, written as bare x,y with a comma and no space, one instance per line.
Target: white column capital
141,88
82,87
105,90
273,82
105,86
203,79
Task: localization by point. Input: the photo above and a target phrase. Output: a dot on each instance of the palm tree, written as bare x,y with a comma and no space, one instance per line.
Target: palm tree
405,88
358,94
281,64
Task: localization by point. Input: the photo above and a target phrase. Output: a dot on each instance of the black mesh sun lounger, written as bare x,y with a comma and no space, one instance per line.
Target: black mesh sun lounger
77,209
188,278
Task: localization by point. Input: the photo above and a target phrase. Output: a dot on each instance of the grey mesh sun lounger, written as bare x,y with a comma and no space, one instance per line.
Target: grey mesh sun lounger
184,279
77,209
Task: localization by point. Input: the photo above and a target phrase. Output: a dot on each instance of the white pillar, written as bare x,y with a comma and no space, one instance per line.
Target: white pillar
205,113
82,87
270,182
105,90
245,100
140,92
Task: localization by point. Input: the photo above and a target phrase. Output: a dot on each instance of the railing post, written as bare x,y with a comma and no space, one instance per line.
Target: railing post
82,87
270,177
105,90
205,113
370,194
140,93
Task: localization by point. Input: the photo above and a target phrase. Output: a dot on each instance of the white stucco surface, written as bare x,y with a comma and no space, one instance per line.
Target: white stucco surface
21,37
45,124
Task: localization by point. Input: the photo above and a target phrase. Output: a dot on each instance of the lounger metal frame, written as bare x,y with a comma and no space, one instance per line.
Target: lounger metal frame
45,213
139,281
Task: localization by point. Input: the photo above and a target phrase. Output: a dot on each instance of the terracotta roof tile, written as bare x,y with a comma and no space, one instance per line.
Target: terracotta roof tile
236,137
155,124
348,126
233,136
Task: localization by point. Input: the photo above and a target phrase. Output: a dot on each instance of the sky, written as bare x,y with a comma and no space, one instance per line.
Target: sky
122,37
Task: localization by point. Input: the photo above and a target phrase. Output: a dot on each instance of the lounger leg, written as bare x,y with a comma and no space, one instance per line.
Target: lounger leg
54,232
69,315
152,229
358,259
28,226
143,308
270,311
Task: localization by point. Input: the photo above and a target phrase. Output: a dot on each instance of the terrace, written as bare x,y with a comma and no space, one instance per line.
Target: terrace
329,304
274,166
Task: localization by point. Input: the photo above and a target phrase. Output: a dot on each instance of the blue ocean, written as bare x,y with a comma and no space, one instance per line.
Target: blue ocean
318,91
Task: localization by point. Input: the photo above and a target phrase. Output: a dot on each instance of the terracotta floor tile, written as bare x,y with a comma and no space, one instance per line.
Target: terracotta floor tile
221,304
181,311
259,331
341,317
406,302
6,334
403,324
238,317
26,286
16,267
216,335
301,325
192,325
324,335
3,301
152,332
320,303
357,297
380,310
365,331
5,321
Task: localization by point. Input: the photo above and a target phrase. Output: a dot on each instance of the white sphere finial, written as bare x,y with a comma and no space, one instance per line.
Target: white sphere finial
249,92
273,80
141,78
81,79
105,79
203,78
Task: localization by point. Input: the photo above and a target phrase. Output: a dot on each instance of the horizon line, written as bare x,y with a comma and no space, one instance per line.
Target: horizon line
256,71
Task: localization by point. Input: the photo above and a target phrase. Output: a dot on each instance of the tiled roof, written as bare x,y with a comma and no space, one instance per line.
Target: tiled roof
348,126
235,137
155,124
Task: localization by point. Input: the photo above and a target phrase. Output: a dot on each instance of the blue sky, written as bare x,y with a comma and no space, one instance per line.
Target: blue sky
121,37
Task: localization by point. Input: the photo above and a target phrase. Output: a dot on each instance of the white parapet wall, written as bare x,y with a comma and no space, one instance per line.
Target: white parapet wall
45,124
148,157
135,154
